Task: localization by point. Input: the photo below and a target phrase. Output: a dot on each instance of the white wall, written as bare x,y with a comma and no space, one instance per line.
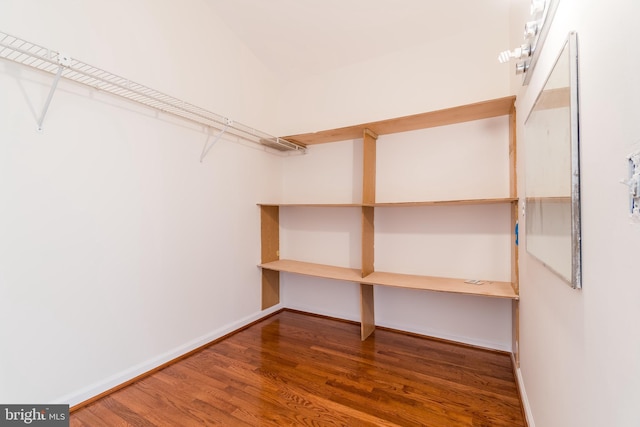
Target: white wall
437,73
580,349
119,250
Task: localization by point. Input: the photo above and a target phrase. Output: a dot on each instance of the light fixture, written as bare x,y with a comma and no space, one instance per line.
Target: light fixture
535,31
521,67
531,29
524,51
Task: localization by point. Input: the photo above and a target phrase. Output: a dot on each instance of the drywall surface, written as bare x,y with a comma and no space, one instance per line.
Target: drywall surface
439,72
462,161
579,349
119,250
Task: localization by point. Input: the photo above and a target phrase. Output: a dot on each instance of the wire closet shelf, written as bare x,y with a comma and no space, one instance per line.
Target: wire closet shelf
26,53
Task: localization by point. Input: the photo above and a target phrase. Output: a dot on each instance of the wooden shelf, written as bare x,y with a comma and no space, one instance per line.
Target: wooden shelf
368,133
465,113
497,200
428,283
315,270
448,202
442,284
315,205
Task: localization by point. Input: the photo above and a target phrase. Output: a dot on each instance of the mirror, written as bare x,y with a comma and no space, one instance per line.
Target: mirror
552,170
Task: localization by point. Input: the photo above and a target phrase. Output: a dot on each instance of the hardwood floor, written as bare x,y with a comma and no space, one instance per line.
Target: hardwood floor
298,369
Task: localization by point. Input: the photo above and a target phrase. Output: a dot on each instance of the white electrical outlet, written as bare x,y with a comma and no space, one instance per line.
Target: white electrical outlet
633,182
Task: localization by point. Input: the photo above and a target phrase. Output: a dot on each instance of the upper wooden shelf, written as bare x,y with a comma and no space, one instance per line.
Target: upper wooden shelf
490,201
465,113
429,283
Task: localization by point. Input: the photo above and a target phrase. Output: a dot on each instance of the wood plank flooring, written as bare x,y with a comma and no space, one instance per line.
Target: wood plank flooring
296,369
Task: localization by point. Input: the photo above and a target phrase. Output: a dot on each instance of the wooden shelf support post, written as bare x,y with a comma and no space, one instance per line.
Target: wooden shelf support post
270,238
367,315
515,274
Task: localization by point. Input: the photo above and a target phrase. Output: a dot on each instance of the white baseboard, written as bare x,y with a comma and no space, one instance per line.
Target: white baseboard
314,310
449,337
95,389
427,333
523,395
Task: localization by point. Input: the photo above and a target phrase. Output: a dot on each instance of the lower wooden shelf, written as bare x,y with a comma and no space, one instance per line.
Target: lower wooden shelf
316,270
488,288
442,284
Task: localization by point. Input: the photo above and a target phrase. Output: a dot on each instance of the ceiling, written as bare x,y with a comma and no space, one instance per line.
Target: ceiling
302,37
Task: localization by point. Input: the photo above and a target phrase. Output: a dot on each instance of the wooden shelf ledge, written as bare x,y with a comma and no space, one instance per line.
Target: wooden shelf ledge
490,201
465,113
315,270
314,205
493,289
497,200
442,284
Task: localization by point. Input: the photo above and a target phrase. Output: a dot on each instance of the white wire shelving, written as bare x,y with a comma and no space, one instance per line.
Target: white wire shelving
62,66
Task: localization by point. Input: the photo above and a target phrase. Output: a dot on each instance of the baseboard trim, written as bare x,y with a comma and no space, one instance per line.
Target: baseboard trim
321,316
526,408
458,340
97,391
444,340
403,332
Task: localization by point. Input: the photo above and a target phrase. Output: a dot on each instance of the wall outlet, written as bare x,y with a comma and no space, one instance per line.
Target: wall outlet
633,182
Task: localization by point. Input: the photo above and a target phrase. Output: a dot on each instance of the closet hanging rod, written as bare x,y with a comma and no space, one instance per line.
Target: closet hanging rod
30,54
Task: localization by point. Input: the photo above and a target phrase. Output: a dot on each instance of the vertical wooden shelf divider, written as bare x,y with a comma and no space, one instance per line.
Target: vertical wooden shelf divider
270,238
367,314
513,192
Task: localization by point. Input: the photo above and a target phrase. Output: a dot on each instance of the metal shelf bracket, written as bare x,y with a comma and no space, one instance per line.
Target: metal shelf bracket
206,148
63,61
